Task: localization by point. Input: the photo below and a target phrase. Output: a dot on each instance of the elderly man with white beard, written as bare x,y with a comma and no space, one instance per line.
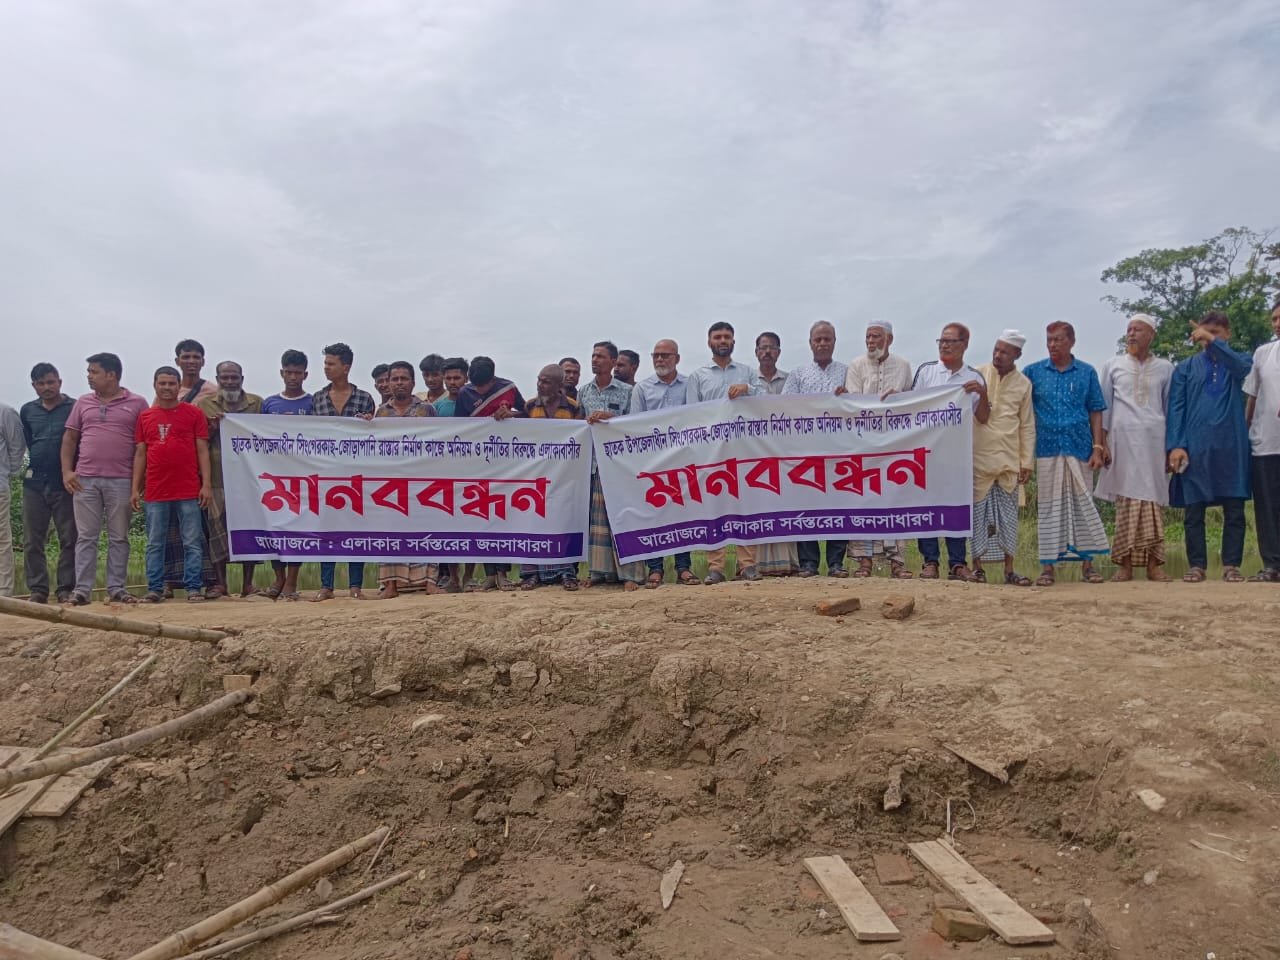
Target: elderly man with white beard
666,388
878,373
230,398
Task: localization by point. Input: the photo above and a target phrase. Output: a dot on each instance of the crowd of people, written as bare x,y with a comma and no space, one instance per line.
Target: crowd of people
1143,433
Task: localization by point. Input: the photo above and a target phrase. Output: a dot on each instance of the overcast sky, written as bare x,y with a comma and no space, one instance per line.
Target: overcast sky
522,178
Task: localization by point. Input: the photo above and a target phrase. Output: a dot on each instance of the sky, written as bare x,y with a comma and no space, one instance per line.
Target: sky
521,178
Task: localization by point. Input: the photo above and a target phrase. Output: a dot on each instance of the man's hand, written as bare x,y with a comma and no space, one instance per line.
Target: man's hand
597,416
1178,460
365,416
1024,474
135,500
886,395
503,413
1201,336
737,390
973,386
1106,456
1096,459
841,389
204,498
72,483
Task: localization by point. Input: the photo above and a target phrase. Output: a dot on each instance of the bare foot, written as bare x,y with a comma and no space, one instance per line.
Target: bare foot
1122,575
1156,574
630,585
389,592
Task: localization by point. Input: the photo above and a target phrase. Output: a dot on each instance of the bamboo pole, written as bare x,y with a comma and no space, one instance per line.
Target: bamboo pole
16,945
75,724
182,941
295,923
101,621
63,762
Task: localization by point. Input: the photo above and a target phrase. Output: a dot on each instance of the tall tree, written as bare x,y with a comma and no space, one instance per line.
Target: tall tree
1237,272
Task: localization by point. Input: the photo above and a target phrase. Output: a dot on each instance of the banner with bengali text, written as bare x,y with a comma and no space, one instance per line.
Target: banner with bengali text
781,468
406,489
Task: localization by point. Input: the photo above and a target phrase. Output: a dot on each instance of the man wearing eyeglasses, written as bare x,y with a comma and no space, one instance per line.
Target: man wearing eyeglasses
951,370
665,389
97,470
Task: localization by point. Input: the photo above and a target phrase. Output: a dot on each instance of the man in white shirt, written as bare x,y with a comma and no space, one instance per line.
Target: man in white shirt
951,370
1135,386
875,374
1262,410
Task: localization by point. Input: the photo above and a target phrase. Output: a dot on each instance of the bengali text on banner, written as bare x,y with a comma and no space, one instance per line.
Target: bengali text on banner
779,468
416,489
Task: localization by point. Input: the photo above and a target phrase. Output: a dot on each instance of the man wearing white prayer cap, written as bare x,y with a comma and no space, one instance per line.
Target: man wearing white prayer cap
875,374
1004,453
1135,386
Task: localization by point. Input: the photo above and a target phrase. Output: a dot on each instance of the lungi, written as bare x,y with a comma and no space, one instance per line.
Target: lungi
1067,521
995,525
1139,532
602,558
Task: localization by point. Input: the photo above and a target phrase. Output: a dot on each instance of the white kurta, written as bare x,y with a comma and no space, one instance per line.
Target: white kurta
1137,396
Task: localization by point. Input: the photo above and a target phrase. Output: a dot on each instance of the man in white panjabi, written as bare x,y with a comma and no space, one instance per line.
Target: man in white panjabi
1135,386
1004,455
875,374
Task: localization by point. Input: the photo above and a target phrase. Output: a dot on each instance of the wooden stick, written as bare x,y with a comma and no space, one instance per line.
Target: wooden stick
377,853
100,621
294,923
75,724
16,945
63,762
182,941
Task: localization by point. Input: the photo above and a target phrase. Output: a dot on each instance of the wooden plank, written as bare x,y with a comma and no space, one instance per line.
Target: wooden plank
856,905
67,789
15,801
16,945
985,764
1004,916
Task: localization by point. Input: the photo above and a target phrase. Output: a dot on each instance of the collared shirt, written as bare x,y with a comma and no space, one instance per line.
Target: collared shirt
567,409
614,397
106,434
935,374
42,432
215,408
358,404
652,394
13,445
771,385
1063,400
811,378
1263,384
1006,443
868,377
713,381
418,408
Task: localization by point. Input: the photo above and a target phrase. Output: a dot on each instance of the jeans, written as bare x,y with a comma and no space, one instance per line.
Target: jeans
684,561
104,501
1232,533
955,550
355,575
808,555
189,528
39,506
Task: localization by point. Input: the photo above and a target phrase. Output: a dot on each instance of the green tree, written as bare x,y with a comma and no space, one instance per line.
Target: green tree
1237,272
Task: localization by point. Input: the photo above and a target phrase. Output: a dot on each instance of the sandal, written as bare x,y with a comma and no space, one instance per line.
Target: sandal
979,576
898,571
1091,576
1045,579
291,597
594,581
865,566
1194,575
749,573
654,580
1266,575
569,583
960,572
153,597
529,583
1016,579
929,571
714,577
122,596
687,578
1232,575
840,573
215,592
196,598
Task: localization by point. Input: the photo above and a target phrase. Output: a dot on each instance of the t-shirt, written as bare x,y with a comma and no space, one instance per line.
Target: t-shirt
295,406
106,434
1263,384
173,469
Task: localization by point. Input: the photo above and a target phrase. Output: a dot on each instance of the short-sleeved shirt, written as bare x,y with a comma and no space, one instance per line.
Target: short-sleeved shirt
934,373
652,393
1063,400
614,397
42,429
1263,384
419,408
811,378
358,404
106,434
567,409
173,468
288,406
445,406
770,385
214,407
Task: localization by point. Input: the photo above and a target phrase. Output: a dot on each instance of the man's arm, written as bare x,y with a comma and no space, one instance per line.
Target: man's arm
1175,429
1238,363
15,440
1026,438
206,483
70,444
139,474
1097,457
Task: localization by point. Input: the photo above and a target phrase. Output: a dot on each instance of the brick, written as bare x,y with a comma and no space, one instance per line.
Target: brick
893,868
838,608
897,607
959,925
236,681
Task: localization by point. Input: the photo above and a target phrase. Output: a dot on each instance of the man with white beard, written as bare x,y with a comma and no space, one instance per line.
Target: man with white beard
665,389
875,374
230,398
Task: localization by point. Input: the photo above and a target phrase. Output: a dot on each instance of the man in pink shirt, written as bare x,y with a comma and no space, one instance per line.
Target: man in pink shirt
97,470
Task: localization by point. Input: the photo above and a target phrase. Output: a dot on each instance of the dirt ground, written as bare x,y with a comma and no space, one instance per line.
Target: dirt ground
585,742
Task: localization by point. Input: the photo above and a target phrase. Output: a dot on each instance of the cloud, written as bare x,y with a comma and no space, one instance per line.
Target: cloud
523,179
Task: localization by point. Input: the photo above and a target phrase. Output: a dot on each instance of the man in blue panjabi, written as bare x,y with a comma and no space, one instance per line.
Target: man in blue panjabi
1208,443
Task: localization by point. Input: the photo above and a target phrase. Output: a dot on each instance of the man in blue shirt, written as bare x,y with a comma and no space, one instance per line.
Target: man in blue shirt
1208,441
1068,404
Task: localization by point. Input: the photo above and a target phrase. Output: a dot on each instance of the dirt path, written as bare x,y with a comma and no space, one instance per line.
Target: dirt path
585,742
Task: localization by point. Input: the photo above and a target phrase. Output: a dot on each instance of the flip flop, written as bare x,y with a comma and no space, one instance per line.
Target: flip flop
153,598
687,578
1045,580
1016,580
714,577
654,580
1092,576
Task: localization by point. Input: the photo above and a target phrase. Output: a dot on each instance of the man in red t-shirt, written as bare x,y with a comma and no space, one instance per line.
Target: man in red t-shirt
171,467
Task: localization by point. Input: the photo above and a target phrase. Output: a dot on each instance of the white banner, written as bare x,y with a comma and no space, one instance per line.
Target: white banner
406,488
780,468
